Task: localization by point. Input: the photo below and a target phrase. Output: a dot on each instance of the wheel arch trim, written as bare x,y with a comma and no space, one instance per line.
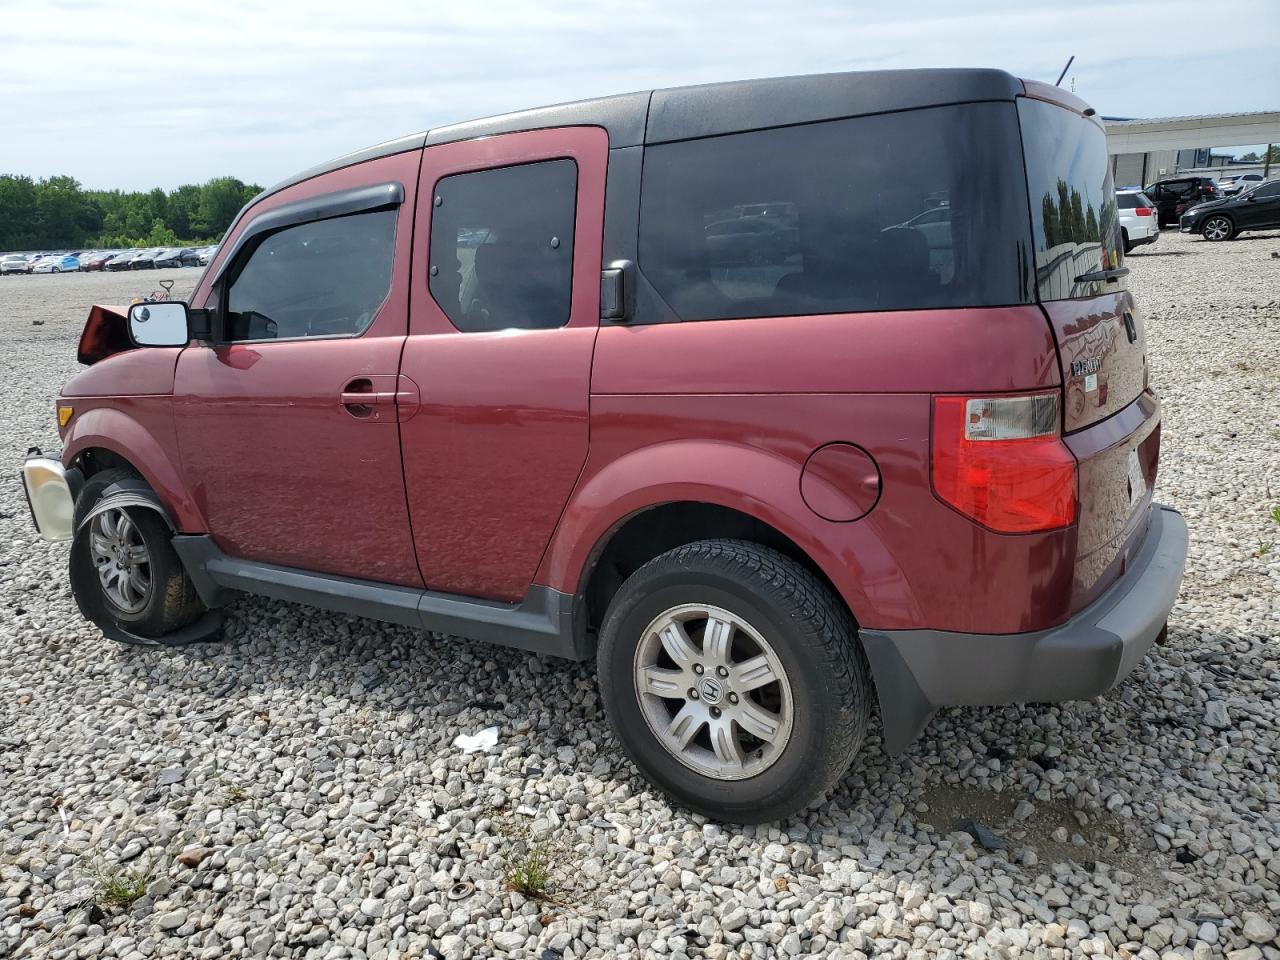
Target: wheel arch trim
762,485
113,430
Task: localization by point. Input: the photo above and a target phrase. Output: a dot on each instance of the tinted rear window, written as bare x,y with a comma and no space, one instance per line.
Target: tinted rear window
1073,207
901,211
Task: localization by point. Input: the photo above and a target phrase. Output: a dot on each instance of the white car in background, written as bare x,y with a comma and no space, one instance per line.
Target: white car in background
1139,220
13,263
1229,186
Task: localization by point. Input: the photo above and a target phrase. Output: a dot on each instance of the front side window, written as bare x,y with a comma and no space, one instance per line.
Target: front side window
1074,219
502,246
912,210
1267,191
321,279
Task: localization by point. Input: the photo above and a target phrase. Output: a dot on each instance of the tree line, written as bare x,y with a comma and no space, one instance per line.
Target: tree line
57,213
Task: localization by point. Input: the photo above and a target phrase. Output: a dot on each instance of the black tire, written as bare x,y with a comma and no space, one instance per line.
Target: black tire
1214,225
172,602
810,631
1124,237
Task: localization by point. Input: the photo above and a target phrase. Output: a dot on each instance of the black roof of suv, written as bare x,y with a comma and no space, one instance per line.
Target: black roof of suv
683,113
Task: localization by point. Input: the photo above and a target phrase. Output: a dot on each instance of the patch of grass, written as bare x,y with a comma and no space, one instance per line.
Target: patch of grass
232,792
530,876
1275,514
1274,434
120,888
1264,547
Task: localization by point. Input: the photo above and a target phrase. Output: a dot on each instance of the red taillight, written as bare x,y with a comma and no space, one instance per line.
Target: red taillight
1001,461
1142,211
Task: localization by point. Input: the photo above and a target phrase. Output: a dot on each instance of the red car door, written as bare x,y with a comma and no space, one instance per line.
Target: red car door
288,425
503,318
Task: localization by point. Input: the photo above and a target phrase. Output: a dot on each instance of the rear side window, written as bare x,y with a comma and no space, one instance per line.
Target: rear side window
902,211
1074,222
1127,201
502,246
321,279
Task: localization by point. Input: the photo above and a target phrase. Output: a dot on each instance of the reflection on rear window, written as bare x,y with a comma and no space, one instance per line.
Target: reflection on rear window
912,210
1073,208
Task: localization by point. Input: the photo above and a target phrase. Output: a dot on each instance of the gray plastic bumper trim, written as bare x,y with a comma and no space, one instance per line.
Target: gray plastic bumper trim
918,671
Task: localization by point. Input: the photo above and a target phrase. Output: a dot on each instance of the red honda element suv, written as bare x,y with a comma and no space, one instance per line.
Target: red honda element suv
783,400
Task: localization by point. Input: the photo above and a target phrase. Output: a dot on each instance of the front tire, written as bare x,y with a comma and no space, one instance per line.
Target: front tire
129,560
733,678
1217,228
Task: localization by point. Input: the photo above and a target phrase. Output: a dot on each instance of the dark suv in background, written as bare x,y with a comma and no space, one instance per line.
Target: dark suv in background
1255,209
1174,196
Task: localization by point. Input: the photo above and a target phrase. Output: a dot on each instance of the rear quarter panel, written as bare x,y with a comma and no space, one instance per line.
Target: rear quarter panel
759,395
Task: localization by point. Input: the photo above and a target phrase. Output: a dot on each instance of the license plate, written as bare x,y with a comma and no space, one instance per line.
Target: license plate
1137,482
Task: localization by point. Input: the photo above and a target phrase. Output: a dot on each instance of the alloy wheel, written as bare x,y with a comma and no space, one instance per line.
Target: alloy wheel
1217,228
713,691
121,559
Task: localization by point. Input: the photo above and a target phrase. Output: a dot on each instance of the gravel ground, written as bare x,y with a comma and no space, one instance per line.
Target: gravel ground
295,791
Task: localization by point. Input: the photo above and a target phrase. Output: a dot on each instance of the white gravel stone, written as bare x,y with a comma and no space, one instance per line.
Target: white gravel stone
309,757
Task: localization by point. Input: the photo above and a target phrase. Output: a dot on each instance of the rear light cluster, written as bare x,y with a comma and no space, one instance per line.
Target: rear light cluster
1142,211
1001,461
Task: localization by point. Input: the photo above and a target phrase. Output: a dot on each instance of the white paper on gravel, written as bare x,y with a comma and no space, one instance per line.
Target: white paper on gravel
484,741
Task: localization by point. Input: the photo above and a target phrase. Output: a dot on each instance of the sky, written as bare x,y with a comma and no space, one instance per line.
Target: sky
135,94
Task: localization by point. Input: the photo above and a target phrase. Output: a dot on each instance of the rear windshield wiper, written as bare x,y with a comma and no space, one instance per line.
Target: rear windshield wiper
1111,276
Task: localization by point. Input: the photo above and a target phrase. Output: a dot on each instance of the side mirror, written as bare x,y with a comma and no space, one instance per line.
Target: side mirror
163,324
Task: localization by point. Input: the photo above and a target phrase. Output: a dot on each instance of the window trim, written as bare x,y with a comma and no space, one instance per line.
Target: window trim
392,194
326,206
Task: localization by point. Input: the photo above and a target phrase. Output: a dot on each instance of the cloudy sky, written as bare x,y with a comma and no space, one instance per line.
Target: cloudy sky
138,93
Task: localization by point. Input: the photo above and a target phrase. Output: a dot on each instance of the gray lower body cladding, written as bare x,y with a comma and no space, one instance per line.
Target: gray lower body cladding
918,671
543,622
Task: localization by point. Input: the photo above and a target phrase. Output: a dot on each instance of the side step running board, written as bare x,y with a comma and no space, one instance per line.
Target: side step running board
543,622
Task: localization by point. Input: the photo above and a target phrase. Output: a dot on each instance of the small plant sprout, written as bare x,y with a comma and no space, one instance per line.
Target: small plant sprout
530,876
118,887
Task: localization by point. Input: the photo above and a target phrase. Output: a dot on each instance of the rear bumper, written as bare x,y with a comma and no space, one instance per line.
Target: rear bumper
918,671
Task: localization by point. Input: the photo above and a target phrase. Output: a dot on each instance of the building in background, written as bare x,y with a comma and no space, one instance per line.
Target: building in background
1143,151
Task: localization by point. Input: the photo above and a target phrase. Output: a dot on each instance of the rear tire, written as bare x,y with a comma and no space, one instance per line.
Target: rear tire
1124,237
1218,228
152,595
766,699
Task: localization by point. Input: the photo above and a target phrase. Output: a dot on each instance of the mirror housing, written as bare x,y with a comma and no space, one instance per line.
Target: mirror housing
166,323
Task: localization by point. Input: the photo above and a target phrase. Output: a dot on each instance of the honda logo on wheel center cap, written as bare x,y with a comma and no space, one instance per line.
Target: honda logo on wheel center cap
710,689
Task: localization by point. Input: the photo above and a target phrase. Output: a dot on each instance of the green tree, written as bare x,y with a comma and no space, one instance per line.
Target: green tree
17,212
161,235
220,201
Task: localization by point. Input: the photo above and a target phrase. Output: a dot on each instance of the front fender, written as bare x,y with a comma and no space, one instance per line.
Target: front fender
759,483
130,430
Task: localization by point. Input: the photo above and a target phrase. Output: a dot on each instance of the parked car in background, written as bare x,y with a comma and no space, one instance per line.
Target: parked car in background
1175,195
1139,223
13,263
178,257
57,263
120,261
97,261
1256,209
1230,185
207,254
758,496
146,260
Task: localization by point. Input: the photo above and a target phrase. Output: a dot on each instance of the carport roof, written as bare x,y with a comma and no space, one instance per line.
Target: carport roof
1183,133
